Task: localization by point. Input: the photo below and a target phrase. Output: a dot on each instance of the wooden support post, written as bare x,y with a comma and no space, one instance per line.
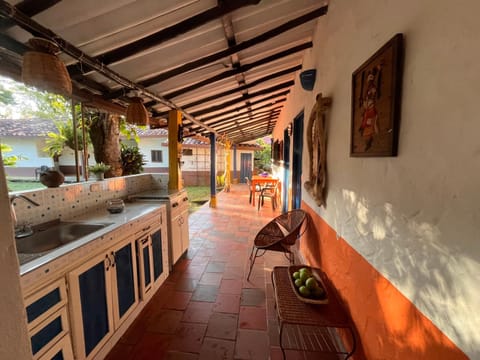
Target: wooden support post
174,150
235,176
213,172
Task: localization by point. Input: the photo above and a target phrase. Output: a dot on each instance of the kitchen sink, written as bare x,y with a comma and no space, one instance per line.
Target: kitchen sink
52,235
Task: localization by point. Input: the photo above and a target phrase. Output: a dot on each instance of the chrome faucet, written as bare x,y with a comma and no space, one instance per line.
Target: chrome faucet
25,230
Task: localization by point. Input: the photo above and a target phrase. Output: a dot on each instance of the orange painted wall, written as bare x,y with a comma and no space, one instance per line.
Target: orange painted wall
389,325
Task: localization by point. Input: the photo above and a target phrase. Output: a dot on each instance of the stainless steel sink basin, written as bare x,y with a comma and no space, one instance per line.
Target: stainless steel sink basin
53,235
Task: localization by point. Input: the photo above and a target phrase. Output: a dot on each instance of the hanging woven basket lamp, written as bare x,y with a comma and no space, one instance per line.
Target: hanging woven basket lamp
44,70
137,114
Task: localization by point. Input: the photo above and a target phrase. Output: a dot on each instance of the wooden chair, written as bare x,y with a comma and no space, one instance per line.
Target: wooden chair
270,192
252,193
280,234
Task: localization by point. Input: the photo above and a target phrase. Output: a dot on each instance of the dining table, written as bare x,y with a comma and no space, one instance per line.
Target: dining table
262,181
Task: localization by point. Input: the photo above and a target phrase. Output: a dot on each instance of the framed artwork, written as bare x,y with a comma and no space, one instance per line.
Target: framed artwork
376,90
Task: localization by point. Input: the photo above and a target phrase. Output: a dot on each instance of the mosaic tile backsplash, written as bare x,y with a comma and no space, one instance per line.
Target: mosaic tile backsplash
71,200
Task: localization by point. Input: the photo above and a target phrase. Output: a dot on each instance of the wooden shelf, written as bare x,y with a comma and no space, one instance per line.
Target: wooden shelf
308,327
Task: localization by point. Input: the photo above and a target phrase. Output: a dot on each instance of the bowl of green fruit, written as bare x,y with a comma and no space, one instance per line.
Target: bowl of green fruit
307,284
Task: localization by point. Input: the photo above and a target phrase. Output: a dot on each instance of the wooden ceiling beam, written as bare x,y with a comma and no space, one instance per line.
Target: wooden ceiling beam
245,115
236,101
240,88
168,33
246,124
29,8
233,72
225,104
270,104
249,116
237,48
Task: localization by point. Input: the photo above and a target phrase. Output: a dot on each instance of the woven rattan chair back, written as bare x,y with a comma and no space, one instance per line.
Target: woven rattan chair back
278,235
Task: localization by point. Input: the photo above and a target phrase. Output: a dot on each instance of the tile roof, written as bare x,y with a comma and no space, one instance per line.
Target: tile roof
40,128
26,127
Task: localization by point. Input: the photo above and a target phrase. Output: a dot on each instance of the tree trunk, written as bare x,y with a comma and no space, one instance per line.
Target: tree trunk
105,135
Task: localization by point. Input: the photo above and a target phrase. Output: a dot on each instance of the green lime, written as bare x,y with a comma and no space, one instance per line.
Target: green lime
318,293
304,276
298,283
311,283
304,291
296,275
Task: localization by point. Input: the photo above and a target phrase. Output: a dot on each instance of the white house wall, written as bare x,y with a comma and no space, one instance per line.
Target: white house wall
415,217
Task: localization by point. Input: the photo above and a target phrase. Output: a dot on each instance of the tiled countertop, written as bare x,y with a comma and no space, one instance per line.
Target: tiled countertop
132,211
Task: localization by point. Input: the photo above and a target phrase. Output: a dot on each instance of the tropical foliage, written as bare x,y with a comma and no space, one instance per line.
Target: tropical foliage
263,157
9,160
132,160
99,168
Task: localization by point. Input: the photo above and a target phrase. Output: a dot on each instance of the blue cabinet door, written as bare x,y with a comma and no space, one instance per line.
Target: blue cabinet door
157,254
125,276
94,304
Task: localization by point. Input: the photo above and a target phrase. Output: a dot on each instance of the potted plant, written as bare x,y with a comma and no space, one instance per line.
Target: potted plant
99,170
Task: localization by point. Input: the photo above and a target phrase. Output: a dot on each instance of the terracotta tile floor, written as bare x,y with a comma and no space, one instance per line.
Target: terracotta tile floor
207,309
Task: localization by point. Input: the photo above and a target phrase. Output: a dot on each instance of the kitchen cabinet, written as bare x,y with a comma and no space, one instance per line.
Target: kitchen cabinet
48,322
180,233
152,252
103,292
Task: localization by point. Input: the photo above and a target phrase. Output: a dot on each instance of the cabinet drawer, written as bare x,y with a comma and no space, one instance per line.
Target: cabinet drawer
48,333
62,350
45,302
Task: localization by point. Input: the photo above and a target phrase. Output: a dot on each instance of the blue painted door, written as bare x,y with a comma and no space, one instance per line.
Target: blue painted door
93,299
157,254
245,167
286,170
297,161
125,275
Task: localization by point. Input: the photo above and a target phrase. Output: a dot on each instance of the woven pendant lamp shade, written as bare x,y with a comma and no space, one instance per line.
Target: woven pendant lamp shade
44,70
137,114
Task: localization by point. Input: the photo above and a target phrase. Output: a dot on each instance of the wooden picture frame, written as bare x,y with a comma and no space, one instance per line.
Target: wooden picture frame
376,95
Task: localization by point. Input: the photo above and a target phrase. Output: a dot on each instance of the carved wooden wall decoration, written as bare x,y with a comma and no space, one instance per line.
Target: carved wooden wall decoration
317,150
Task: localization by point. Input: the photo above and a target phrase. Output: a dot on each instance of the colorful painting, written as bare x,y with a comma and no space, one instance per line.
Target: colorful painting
376,88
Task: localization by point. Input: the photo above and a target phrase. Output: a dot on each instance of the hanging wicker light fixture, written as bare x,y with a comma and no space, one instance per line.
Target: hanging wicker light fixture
44,70
137,114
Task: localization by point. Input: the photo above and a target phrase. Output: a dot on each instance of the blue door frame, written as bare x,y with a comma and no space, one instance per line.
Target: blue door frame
297,161
286,170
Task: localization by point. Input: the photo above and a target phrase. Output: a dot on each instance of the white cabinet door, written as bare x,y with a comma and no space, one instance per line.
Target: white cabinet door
103,293
91,310
185,230
177,248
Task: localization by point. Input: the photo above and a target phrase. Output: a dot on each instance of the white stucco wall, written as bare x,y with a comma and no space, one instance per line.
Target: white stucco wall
30,148
414,217
15,343
147,144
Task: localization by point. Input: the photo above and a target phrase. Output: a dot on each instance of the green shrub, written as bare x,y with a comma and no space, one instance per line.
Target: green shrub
132,160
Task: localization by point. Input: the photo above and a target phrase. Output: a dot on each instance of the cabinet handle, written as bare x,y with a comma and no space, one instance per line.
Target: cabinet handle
113,258
146,228
185,198
144,241
108,262
175,204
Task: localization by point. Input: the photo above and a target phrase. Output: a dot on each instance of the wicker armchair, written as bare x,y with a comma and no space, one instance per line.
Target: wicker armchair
278,235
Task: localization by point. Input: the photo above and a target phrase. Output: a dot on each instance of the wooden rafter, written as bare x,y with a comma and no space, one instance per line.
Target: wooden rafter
233,72
29,8
163,35
234,49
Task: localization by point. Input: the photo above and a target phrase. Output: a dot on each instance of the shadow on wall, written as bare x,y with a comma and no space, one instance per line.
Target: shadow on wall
390,326
437,277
